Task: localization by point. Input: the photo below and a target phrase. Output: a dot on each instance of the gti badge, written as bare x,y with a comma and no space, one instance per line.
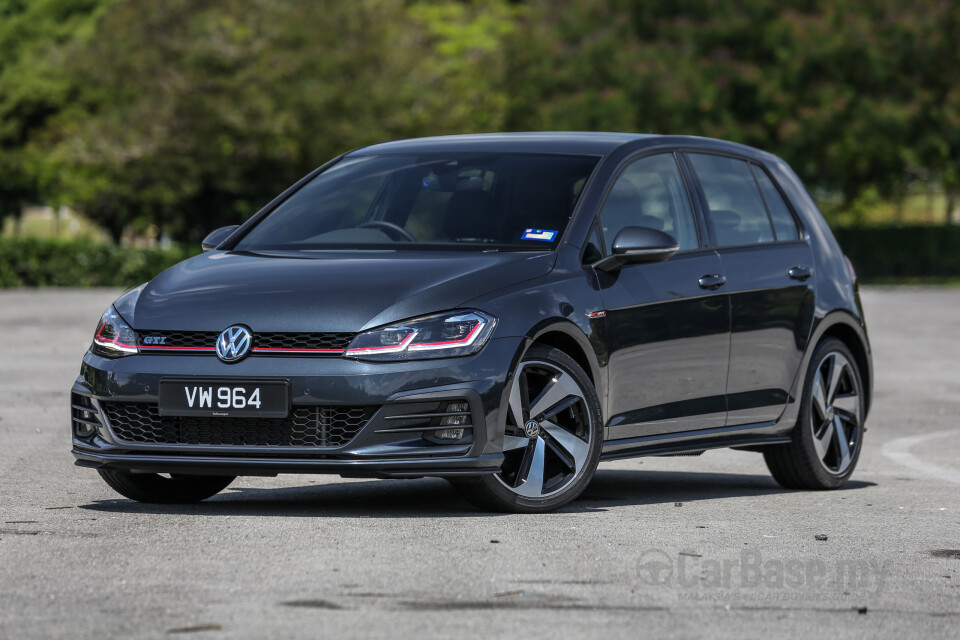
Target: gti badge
234,343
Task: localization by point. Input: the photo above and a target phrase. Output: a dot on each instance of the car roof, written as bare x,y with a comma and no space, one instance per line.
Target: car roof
565,142
575,142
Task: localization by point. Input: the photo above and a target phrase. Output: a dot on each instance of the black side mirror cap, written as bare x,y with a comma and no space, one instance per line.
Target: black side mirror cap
216,237
634,245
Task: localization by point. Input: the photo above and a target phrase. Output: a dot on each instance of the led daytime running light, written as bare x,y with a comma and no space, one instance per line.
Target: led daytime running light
387,349
110,335
450,334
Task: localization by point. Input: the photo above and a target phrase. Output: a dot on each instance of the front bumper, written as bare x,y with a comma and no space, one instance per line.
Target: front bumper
395,442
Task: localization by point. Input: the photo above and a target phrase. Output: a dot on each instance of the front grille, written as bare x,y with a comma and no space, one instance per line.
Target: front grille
272,343
182,339
335,341
331,426
83,415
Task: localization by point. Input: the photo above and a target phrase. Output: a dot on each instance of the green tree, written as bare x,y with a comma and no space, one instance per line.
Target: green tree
852,94
196,114
35,38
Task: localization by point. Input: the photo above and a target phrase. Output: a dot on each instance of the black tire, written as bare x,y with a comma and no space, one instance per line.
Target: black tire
154,488
584,422
799,464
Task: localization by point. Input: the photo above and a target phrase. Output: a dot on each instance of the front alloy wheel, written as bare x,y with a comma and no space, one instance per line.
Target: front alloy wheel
551,441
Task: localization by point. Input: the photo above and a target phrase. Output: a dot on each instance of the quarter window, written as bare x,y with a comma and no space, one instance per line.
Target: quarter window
783,223
733,199
650,193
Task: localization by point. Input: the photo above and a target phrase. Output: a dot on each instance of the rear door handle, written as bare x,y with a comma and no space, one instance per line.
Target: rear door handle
712,281
800,273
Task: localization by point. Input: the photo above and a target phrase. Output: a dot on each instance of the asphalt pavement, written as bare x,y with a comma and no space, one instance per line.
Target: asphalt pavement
702,546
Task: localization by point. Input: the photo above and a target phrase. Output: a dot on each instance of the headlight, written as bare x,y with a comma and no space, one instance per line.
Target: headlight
114,337
457,333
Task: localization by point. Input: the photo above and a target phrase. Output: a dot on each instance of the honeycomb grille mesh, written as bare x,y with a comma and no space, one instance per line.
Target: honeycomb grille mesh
331,426
183,339
333,342
338,341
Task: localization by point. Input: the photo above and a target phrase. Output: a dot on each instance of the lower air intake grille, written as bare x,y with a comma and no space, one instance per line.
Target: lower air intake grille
83,415
333,426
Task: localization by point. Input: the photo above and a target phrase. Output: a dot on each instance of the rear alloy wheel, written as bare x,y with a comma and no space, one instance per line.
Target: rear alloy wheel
552,438
155,488
826,442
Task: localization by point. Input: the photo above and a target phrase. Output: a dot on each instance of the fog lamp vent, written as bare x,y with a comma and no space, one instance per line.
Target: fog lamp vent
462,409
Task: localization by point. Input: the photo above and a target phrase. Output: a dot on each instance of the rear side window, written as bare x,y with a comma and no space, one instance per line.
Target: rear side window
783,223
733,199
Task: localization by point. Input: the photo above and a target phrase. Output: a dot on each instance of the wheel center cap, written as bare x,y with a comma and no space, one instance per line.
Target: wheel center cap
532,428
831,413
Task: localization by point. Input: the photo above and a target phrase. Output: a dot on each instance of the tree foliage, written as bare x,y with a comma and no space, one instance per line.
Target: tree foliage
36,37
853,94
194,114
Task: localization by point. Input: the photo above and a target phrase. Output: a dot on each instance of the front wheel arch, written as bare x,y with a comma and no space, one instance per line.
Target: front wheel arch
589,351
559,382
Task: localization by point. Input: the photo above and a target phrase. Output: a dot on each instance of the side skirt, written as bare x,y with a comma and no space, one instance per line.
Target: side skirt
693,441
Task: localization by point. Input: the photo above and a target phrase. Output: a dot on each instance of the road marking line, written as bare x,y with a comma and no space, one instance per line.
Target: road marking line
899,451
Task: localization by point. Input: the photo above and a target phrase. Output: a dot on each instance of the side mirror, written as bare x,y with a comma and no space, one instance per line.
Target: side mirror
634,245
217,236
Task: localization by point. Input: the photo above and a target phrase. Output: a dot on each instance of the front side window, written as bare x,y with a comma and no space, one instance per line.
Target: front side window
650,193
733,199
467,201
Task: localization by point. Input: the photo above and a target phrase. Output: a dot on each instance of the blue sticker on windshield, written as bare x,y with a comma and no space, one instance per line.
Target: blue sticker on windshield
546,235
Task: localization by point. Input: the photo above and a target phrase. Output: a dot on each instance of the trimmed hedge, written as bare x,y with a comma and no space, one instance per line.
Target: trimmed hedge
902,252
35,262
876,252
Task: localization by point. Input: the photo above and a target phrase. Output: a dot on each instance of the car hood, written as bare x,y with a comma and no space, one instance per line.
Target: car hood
329,293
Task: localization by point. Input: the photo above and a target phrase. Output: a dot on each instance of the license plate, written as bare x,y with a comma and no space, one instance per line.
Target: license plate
260,398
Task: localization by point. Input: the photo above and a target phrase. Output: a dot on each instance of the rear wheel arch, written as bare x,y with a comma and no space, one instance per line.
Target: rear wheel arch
843,331
845,327
826,441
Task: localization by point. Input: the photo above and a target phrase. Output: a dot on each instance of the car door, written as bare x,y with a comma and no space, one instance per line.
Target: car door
768,268
667,324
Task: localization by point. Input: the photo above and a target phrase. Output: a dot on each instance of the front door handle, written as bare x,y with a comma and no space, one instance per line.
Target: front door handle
712,281
800,273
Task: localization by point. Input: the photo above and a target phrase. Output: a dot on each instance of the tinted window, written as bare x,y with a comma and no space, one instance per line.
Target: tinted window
783,222
736,208
650,193
472,201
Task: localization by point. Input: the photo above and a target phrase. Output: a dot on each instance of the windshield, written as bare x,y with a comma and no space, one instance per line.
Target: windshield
478,201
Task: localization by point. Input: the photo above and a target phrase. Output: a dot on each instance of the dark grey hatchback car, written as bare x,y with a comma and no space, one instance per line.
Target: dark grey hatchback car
502,310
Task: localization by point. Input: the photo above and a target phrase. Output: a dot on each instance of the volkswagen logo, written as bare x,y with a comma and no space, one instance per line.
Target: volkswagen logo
532,428
234,343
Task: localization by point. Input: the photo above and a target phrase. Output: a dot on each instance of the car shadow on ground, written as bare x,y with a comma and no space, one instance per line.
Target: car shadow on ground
433,497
